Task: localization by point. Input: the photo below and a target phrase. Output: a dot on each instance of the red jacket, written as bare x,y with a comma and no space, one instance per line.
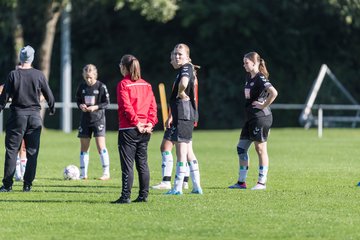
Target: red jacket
136,103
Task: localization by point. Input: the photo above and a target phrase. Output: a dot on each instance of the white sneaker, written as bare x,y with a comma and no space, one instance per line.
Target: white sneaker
162,185
18,176
259,186
105,177
185,185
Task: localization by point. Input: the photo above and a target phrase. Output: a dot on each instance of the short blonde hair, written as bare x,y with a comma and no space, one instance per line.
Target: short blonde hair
90,68
184,46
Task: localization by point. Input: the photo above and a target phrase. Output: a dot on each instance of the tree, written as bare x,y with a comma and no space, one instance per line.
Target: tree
294,37
158,10
349,10
52,15
14,25
17,30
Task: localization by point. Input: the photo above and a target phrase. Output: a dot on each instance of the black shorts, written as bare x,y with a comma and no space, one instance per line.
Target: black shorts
180,133
257,129
86,130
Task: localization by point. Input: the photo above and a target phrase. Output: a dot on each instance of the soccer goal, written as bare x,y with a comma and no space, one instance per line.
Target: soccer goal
345,110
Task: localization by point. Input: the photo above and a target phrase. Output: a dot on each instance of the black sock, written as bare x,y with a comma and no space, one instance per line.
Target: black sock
186,179
167,179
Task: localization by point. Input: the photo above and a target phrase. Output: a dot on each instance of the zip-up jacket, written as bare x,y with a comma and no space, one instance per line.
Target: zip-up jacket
136,103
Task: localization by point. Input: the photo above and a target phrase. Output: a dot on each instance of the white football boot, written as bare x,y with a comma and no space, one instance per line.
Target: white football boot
259,186
162,185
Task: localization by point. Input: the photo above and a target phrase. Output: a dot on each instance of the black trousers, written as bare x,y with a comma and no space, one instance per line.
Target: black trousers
132,147
18,127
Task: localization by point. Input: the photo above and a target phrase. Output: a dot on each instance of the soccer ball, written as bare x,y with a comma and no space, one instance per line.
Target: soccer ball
71,172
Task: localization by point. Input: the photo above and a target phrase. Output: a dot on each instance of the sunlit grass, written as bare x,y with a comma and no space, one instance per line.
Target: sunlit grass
311,192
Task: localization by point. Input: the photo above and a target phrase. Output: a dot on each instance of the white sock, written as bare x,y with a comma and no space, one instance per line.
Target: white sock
243,171
105,161
195,174
23,162
167,165
84,163
180,174
263,170
18,168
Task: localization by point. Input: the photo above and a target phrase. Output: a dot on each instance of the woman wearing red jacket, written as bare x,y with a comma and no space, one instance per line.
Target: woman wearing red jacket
137,113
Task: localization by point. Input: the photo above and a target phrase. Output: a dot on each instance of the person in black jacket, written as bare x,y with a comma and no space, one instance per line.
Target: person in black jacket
21,157
24,86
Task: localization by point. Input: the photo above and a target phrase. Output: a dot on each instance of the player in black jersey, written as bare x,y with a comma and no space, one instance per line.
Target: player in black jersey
24,86
183,109
259,94
92,98
167,146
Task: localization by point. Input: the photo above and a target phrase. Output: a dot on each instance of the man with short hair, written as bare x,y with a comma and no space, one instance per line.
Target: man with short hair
24,86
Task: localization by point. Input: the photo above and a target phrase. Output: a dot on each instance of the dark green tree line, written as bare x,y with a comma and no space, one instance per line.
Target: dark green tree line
294,37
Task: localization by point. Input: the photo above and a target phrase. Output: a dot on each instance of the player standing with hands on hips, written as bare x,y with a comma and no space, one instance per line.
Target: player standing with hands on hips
92,98
137,113
183,110
259,94
24,86
167,144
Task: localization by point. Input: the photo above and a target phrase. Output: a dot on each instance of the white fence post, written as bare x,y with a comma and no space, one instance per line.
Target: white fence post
66,120
320,122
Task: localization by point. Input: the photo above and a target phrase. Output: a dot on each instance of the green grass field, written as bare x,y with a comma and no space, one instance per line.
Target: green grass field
311,192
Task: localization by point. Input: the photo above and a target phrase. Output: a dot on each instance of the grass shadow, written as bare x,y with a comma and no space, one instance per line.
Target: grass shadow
53,201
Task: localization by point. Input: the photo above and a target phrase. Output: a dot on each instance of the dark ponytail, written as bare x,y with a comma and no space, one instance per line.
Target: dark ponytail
132,66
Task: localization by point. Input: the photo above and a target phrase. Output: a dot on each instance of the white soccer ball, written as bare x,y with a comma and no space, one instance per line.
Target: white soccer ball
71,172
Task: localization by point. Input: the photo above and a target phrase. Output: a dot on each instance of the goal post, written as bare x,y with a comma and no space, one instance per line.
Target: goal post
306,117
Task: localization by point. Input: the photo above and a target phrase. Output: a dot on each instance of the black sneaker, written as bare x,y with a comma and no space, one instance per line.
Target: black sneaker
26,188
141,199
5,189
122,200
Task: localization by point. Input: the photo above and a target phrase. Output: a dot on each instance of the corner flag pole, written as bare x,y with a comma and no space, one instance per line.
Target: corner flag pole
196,93
164,108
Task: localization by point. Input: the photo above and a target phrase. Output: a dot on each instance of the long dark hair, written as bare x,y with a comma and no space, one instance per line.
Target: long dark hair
132,65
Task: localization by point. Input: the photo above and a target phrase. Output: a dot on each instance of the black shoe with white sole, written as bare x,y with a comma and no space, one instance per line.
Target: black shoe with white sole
5,189
26,188
141,199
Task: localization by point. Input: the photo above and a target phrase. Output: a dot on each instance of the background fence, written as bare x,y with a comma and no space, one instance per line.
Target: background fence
323,115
